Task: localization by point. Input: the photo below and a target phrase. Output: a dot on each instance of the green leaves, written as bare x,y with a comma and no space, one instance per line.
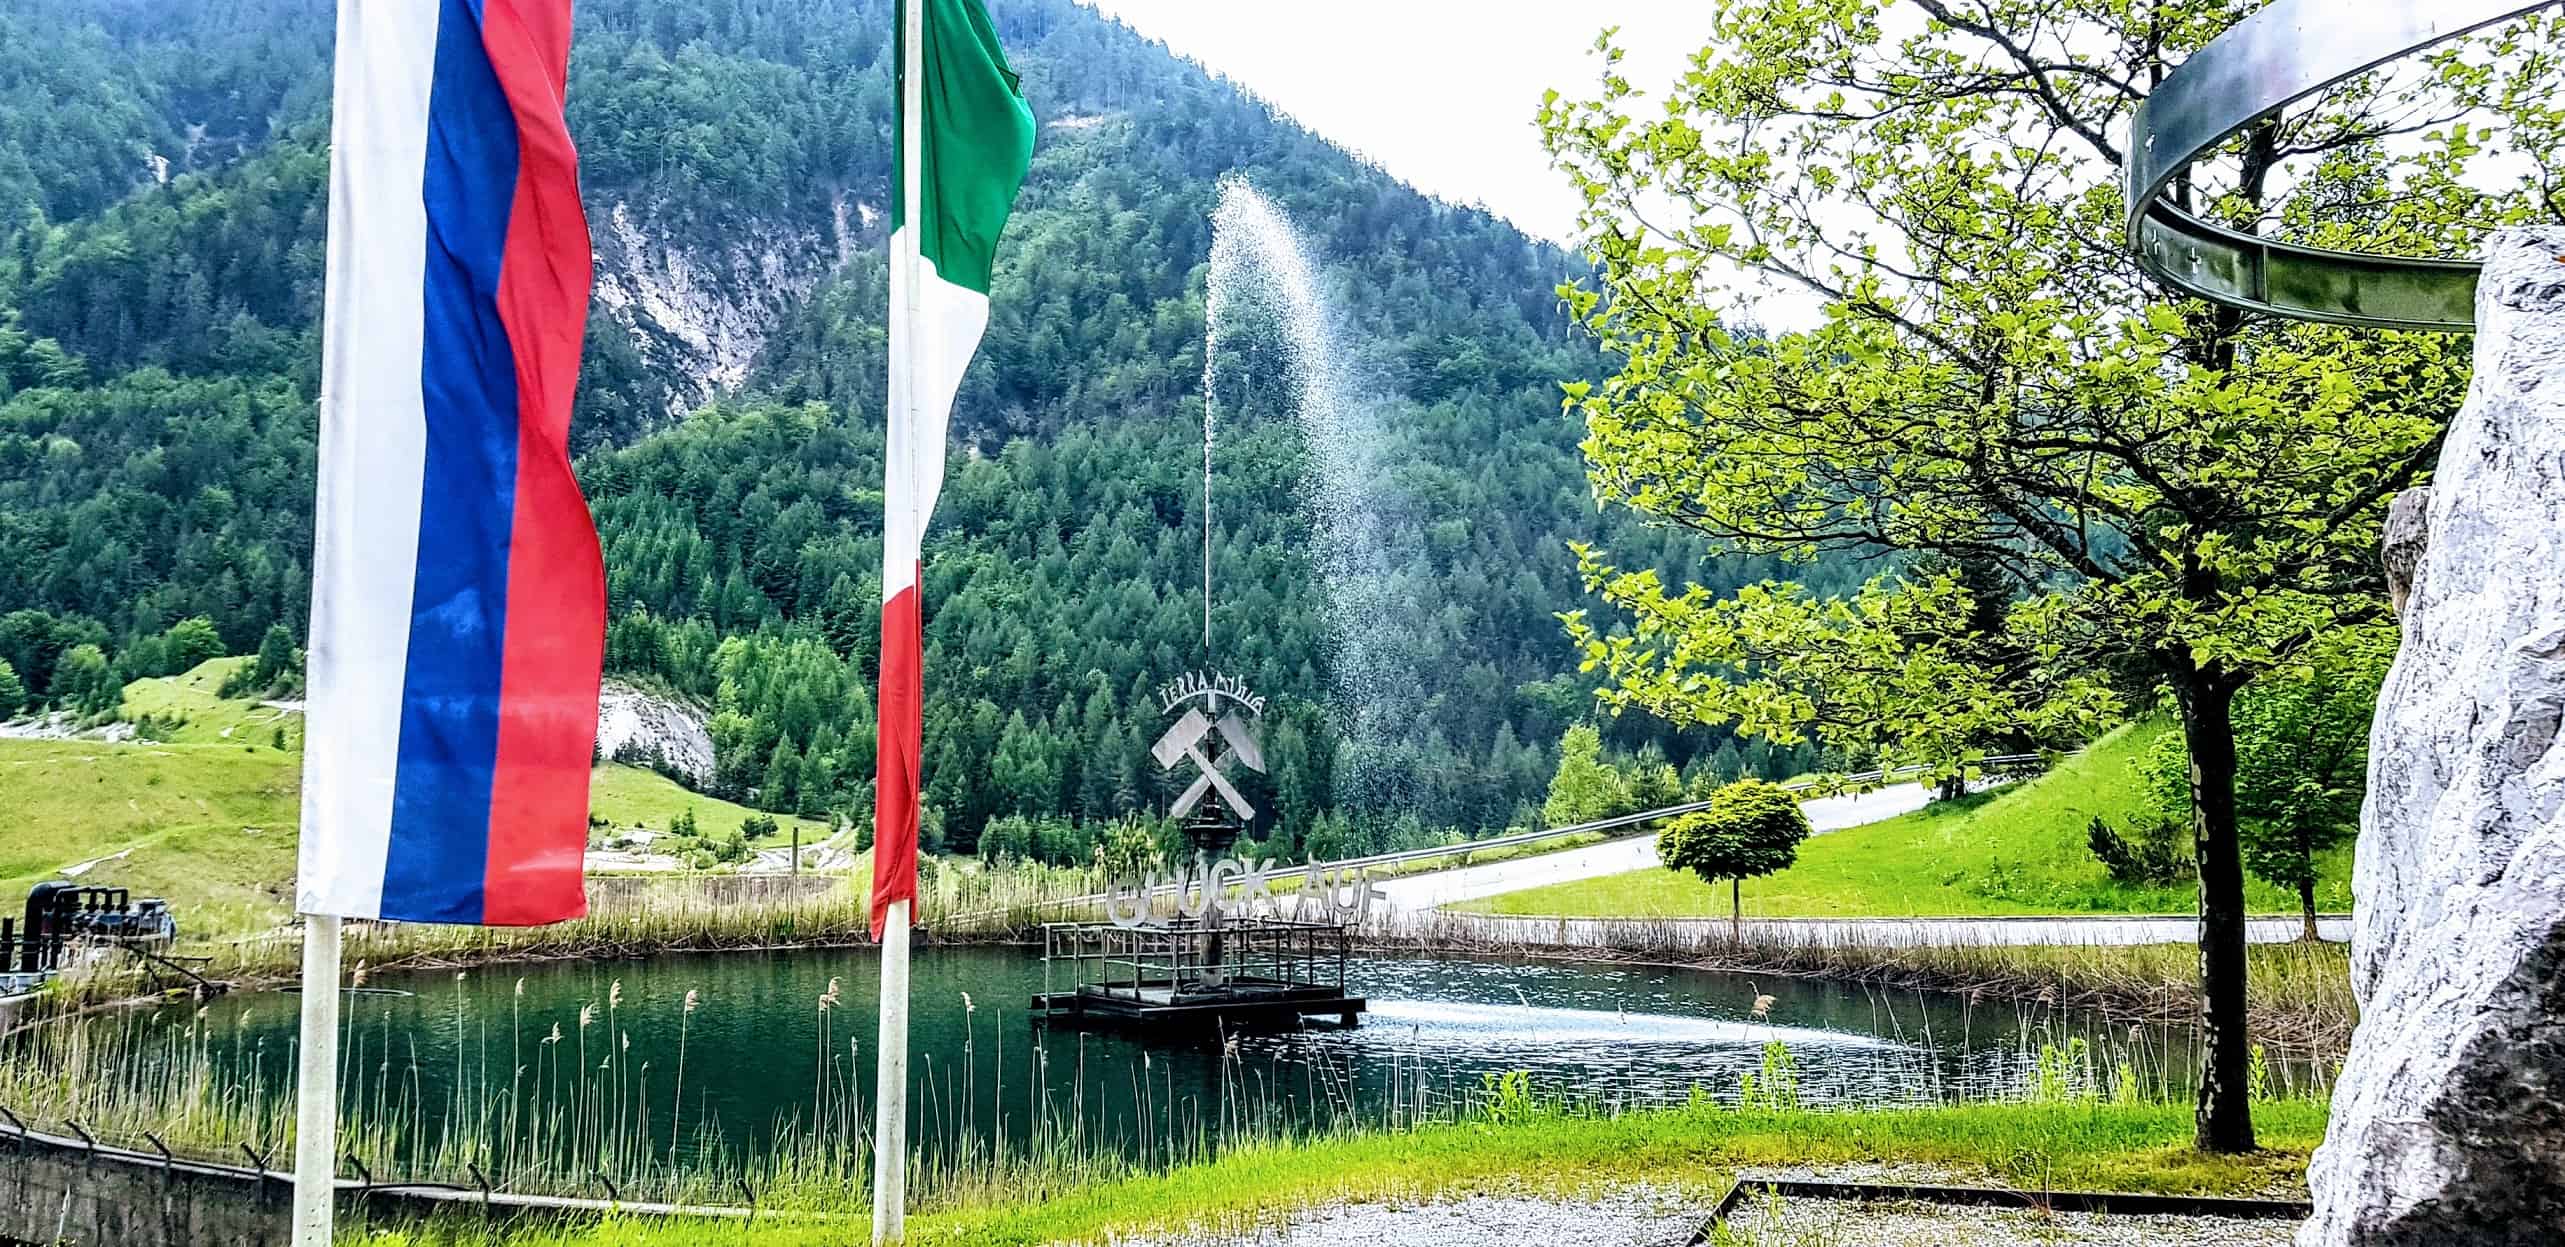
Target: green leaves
1752,828
1991,381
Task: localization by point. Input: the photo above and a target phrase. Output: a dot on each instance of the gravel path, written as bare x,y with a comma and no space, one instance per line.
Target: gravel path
1638,1216
1841,1223
1664,1216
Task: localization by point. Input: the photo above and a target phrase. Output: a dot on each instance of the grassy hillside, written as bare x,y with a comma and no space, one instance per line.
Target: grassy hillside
629,796
2020,850
206,814
189,709
209,826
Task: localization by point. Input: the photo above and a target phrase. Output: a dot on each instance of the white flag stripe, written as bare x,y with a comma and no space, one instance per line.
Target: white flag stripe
950,319
373,450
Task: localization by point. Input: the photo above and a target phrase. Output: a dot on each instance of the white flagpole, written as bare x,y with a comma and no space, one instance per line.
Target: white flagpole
890,1087
890,1045
316,1063
316,1087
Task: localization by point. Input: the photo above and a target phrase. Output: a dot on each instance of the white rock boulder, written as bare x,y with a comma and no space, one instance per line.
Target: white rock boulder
2448,1122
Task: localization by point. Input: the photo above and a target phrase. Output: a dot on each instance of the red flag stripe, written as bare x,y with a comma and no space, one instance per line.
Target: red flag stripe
896,770
556,576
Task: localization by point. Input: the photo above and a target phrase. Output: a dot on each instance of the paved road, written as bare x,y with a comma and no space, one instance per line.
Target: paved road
1614,857
1686,935
1415,903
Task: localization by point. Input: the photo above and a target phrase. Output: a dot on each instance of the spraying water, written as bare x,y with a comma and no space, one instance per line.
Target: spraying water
1261,268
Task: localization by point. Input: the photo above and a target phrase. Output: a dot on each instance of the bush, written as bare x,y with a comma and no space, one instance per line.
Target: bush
2158,853
731,849
276,672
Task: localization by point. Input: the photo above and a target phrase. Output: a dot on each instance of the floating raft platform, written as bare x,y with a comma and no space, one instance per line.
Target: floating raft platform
1233,973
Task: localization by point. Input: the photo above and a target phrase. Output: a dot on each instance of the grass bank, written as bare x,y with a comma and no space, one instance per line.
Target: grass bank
2030,1147
189,709
2020,850
631,796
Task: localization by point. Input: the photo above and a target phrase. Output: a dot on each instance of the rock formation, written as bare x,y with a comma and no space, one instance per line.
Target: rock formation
2449,1120
636,727
701,314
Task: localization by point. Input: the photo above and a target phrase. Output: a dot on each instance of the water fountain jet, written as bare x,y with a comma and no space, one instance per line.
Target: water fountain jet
1262,266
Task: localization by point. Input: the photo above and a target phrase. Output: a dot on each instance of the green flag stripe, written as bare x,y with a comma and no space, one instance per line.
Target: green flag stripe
978,140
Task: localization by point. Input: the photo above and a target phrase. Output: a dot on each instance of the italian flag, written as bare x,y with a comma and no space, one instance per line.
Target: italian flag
967,132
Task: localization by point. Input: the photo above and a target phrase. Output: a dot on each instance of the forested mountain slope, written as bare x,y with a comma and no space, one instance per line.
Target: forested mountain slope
162,191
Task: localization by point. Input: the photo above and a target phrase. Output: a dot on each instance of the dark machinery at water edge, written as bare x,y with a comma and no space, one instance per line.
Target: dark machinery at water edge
63,919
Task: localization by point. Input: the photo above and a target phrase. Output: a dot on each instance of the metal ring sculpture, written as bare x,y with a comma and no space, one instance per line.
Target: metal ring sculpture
2269,61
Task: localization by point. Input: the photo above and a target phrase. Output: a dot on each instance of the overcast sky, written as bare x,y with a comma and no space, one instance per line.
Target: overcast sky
1440,92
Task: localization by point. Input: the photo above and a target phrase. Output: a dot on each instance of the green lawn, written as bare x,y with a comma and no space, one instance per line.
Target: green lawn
209,826
2019,850
2030,1147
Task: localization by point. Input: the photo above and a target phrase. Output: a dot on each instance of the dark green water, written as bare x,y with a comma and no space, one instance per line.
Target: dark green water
761,1056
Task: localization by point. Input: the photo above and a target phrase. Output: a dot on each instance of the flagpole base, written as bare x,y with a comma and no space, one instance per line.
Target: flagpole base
890,1086
316,1087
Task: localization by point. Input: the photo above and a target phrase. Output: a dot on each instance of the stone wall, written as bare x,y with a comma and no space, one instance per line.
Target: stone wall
62,1193
62,1190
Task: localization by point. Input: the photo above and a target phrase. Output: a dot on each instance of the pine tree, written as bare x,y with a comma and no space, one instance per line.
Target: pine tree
782,785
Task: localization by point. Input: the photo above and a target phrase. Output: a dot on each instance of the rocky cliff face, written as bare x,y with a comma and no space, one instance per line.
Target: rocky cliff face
646,730
2449,1118
701,314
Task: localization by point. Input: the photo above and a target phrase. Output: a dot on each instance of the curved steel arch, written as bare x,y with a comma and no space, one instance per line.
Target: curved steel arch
2269,61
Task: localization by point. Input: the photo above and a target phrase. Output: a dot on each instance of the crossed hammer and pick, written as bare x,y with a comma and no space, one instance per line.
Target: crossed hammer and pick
1187,738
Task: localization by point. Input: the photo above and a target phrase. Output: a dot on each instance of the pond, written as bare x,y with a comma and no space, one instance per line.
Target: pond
692,1055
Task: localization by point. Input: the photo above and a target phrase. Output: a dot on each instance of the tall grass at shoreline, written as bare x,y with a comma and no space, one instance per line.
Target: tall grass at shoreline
681,913
558,1107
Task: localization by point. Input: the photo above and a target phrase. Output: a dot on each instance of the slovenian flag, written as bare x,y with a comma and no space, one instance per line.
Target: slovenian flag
976,142
458,599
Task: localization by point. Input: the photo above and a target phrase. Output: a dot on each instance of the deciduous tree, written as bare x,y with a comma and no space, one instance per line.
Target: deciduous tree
1752,828
2188,489
1585,787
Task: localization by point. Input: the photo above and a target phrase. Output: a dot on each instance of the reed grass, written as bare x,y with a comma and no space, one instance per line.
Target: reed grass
957,902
